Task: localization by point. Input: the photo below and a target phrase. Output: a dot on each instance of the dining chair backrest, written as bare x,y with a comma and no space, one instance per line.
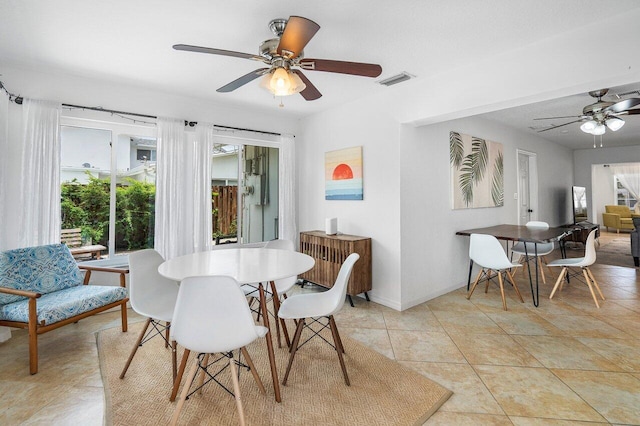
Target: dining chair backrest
534,224
486,251
285,284
212,315
146,286
336,294
590,250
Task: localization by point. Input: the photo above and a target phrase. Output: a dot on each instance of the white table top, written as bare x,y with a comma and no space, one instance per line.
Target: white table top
246,265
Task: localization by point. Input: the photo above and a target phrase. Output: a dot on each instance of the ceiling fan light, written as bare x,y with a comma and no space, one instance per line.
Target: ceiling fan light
286,83
614,123
599,130
589,126
280,81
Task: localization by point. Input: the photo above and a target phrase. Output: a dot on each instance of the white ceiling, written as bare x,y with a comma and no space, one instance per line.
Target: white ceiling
129,42
523,118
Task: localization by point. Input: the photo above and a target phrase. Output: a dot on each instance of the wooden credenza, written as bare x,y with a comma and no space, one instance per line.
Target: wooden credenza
329,252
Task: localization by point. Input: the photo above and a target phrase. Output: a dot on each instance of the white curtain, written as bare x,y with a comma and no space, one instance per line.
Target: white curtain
629,177
287,189
5,332
183,189
40,179
202,149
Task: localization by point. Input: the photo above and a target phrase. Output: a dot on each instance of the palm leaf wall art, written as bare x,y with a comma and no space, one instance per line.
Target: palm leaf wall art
476,172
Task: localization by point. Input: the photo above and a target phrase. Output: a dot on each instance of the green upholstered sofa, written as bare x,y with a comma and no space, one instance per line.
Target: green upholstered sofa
618,217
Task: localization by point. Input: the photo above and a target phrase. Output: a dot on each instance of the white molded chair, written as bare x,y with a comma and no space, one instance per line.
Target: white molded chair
487,252
579,262
315,305
152,296
212,316
543,249
282,286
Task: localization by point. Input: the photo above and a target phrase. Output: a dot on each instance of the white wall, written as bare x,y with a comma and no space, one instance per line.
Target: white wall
434,260
378,214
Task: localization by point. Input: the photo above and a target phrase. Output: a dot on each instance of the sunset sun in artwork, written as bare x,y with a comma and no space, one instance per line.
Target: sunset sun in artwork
342,171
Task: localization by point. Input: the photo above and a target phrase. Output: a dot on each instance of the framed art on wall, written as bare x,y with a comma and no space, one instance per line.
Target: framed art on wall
476,172
343,174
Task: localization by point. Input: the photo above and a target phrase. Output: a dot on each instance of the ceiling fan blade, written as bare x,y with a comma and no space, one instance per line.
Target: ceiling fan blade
342,67
632,112
310,93
553,118
189,48
561,125
296,35
623,105
243,80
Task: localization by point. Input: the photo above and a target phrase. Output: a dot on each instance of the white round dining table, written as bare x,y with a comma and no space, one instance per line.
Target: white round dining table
246,265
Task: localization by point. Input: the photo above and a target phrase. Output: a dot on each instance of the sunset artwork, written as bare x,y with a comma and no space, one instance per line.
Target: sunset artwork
343,174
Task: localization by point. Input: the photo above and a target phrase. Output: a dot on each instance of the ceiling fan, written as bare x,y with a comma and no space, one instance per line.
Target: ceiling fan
600,115
284,55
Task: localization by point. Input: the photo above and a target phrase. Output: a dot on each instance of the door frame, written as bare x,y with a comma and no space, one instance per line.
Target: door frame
533,183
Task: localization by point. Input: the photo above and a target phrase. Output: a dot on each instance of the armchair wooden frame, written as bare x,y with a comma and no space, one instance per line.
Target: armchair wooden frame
36,328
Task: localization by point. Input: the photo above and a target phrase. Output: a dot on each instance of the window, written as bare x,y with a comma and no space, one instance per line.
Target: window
107,193
623,197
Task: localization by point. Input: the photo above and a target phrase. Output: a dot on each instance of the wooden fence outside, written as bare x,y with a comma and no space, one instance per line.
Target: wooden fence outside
225,209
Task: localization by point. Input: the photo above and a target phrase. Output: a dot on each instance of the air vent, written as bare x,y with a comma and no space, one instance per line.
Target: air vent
403,76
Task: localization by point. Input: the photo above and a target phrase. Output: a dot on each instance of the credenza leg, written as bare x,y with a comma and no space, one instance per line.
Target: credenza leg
350,300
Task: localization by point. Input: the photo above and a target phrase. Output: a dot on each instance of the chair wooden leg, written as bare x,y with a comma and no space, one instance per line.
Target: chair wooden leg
272,356
339,342
236,390
294,348
135,348
276,308
336,339
252,367
595,283
166,334
174,359
515,286
205,362
185,392
123,317
176,382
504,301
588,281
539,260
33,337
475,283
486,285
558,282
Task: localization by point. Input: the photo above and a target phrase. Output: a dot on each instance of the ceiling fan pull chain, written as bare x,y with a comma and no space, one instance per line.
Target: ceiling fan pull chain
594,141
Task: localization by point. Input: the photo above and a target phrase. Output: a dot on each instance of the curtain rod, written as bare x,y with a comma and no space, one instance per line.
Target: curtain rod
19,99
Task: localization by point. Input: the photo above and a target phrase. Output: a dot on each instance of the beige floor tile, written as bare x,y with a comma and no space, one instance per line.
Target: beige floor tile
534,392
615,395
527,323
454,301
372,337
424,346
493,349
82,405
621,352
359,317
467,419
565,352
470,395
417,318
467,322
22,400
537,421
585,326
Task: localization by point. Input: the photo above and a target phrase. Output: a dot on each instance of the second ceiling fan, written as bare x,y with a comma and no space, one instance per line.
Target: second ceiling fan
284,55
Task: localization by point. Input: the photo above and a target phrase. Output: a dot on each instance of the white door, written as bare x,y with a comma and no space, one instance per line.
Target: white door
527,187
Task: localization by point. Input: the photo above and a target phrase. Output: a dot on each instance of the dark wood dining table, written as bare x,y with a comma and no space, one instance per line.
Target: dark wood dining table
517,233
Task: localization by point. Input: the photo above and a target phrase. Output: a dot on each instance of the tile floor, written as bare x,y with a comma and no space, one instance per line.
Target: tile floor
563,363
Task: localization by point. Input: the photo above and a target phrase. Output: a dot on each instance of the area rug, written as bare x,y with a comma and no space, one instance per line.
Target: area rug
382,392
